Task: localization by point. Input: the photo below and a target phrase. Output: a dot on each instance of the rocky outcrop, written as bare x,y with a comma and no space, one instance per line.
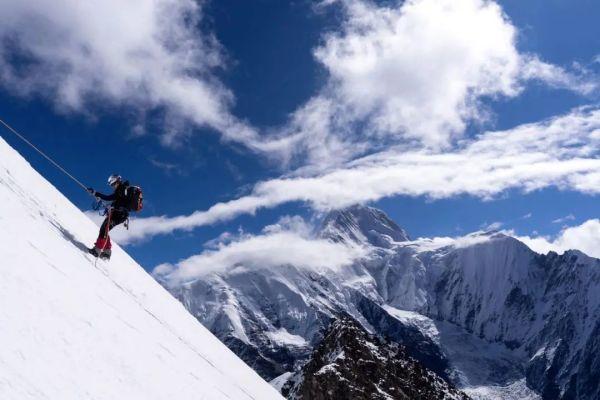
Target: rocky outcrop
349,363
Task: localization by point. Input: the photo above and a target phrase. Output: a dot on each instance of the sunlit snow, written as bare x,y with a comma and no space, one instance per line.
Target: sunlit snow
71,329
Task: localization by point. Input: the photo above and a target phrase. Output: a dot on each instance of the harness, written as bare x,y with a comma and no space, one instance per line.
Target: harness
105,209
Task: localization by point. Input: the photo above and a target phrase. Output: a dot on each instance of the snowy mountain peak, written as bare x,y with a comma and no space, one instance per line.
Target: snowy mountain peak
361,224
482,311
501,239
72,328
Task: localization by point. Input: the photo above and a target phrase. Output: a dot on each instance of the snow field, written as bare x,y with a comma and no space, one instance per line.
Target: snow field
71,329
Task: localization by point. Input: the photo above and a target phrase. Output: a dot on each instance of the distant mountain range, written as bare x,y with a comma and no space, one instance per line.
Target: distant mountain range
483,313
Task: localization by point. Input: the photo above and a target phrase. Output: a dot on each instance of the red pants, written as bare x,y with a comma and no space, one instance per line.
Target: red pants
113,219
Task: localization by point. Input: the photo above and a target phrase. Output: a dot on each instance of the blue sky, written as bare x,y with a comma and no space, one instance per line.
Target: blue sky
263,67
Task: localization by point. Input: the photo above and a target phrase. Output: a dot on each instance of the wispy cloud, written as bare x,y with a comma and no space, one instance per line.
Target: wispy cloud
145,55
291,241
564,219
168,168
562,152
493,226
581,80
286,243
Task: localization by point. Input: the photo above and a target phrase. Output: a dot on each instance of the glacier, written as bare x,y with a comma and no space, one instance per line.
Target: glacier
74,328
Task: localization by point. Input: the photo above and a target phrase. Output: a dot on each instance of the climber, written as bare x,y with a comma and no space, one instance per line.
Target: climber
116,214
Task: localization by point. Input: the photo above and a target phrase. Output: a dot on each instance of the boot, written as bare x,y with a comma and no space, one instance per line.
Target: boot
95,251
106,253
101,248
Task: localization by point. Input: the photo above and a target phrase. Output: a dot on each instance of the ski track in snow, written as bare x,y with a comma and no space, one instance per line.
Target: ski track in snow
74,328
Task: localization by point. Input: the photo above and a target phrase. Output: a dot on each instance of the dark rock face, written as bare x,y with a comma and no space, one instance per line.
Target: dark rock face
571,369
267,362
542,371
585,384
414,342
351,364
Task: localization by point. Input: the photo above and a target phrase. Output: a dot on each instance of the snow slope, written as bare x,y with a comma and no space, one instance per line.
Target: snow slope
74,330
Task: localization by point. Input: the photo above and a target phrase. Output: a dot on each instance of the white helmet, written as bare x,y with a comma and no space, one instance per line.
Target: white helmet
114,178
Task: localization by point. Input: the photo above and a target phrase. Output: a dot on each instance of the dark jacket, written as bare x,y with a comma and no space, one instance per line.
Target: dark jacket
118,198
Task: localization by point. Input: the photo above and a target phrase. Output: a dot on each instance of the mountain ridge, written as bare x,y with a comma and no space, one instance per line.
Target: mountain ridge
349,363
484,290
357,224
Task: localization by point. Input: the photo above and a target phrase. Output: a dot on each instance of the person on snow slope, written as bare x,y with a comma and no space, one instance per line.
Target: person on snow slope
118,212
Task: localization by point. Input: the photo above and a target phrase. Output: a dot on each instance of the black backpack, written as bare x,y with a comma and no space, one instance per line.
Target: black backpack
135,198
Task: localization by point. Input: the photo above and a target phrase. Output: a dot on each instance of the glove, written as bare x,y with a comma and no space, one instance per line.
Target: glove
92,191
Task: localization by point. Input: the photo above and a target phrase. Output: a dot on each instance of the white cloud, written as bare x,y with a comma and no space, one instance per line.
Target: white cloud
494,226
286,243
146,55
584,82
566,218
418,69
415,72
561,152
584,237
435,243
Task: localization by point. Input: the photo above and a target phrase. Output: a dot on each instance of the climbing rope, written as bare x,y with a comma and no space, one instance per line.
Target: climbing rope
10,128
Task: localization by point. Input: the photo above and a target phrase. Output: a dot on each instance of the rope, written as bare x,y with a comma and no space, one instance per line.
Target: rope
43,154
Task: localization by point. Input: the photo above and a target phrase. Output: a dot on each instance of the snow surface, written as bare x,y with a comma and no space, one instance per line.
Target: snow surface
281,380
426,325
283,337
517,390
71,329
